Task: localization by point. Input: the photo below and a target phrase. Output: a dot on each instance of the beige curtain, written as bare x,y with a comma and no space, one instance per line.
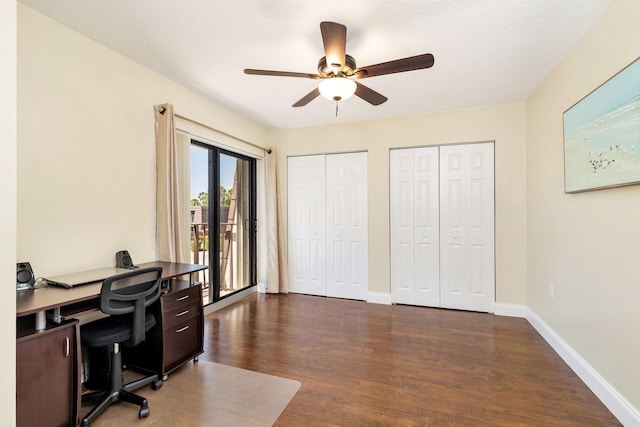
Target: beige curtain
277,273
172,193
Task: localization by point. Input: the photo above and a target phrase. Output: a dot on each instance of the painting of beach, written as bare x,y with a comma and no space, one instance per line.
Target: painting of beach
602,135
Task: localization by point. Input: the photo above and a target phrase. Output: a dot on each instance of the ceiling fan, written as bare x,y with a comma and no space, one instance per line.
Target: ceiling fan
338,73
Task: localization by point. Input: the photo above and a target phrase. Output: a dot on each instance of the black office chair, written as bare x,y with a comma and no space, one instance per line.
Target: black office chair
125,298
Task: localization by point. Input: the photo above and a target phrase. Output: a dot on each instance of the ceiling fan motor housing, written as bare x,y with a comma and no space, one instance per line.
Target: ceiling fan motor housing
346,70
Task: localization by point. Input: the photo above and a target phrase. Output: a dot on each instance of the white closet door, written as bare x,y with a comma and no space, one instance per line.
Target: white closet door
467,271
427,227
414,213
402,228
347,247
307,224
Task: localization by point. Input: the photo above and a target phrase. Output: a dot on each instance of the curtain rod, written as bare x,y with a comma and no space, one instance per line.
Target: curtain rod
163,109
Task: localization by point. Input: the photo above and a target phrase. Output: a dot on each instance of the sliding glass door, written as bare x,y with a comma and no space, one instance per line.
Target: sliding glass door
223,218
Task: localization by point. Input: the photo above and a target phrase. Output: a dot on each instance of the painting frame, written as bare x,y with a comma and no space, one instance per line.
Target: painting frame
601,135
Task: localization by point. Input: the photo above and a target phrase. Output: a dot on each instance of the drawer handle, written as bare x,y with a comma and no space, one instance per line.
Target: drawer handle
66,347
182,298
182,314
182,329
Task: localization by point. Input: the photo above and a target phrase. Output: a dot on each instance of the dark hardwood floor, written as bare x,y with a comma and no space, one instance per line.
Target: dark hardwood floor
363,364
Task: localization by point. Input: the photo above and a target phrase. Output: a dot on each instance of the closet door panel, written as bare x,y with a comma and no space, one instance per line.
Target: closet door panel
401,211
482,225
306,222
347,225
467,227
414,217
426,227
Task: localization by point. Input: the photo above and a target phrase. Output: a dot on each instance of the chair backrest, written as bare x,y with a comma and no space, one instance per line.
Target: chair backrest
131,293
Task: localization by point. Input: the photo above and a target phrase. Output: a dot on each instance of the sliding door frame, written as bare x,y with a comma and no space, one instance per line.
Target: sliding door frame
214,218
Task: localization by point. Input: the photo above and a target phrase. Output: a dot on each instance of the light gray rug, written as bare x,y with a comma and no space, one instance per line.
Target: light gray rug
207,394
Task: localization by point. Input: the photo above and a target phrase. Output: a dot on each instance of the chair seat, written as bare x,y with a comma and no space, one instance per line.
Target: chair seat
110,330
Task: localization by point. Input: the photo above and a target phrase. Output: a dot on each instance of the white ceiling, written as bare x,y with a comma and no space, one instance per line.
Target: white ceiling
486,52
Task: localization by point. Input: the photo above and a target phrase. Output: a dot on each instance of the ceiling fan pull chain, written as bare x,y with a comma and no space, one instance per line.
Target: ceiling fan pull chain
336,108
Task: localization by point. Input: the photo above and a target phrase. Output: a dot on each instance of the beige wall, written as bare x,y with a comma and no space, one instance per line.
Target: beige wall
86,179
8,182
86,153
504,124
587,244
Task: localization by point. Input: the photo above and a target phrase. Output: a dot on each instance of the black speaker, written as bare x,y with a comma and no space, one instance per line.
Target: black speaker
123,260
24,276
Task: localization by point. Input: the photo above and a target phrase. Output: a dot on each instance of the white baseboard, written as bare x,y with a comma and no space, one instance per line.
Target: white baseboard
617,404
379,298
262,287
509,310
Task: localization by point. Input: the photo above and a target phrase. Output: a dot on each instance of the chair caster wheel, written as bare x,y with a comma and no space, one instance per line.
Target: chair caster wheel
144,412
157,384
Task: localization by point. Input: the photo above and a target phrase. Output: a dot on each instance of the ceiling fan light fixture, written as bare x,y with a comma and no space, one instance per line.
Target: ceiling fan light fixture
337,88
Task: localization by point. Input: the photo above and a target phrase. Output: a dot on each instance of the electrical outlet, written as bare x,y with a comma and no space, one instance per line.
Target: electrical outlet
551,288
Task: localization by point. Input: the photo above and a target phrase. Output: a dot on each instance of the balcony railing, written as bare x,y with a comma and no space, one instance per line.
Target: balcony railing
227,257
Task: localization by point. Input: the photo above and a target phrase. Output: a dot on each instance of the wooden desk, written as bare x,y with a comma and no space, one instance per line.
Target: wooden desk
84,298
53,351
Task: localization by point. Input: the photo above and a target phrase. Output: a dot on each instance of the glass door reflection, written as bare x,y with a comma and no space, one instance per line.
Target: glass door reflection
235,224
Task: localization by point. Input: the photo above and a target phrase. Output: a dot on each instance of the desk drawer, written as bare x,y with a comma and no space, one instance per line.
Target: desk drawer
181,313
180,298
182,341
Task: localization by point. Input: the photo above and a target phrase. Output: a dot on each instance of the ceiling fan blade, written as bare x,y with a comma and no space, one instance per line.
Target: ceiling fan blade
281,73
307,98
411,63
334,38
369,95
